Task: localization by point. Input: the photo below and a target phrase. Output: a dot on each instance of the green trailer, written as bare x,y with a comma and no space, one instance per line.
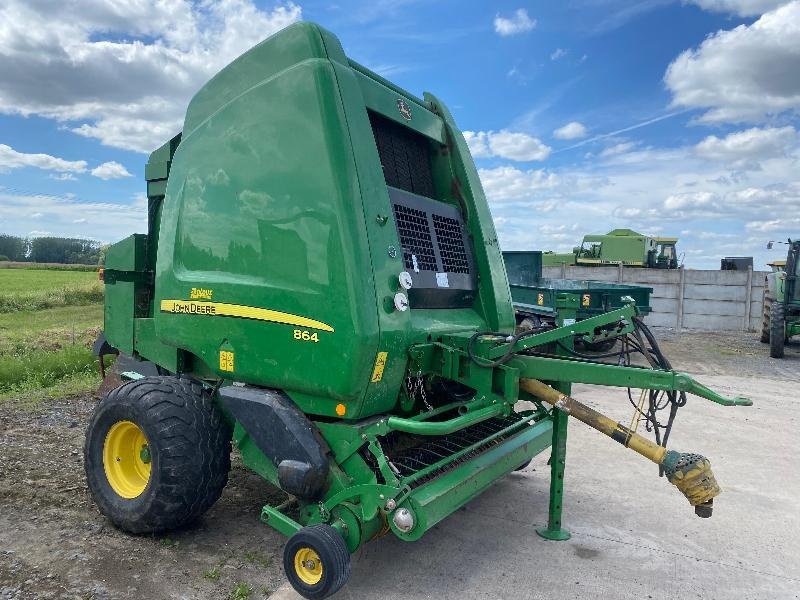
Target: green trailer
320,285
536,298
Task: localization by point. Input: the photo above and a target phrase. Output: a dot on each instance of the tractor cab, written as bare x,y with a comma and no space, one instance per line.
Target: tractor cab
667,256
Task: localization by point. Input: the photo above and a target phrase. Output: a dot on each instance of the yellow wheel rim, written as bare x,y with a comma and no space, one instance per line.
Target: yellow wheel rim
308,566
126,459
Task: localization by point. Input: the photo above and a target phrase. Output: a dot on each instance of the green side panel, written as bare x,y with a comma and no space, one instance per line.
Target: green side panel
118,316
523,267
128,255
263,209
150,347
124,284
274,55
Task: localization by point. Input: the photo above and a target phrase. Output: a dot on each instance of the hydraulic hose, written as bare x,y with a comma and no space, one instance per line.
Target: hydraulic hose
690,473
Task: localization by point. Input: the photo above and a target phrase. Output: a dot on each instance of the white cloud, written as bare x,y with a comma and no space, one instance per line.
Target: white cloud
64,177
693,201
510,183
745,74
571,131
616,149
792,223
512,145
669,191
520,22
558,53
110,170
743,8
68,217
129,91
744,149
11,159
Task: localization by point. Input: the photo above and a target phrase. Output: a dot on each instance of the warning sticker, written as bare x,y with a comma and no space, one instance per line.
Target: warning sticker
586,300
225,361
380,364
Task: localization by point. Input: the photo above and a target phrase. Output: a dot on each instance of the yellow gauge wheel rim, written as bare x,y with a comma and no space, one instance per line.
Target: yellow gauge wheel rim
126,459
308,566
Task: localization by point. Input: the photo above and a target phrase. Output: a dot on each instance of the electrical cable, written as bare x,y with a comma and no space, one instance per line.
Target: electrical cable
641,341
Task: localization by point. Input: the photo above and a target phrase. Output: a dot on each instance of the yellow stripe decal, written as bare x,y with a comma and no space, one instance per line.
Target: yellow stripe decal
220,309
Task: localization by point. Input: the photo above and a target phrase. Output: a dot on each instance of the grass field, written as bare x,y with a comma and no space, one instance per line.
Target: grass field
48,321
37,289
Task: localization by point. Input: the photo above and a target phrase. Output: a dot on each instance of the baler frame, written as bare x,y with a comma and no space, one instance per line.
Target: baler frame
498,389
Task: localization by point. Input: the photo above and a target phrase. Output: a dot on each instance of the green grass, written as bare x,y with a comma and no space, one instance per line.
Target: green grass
25,280
32,289
46,352
50,329
43,368
47,266
242,591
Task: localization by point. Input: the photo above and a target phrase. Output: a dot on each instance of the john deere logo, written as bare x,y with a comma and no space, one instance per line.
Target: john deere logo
404,108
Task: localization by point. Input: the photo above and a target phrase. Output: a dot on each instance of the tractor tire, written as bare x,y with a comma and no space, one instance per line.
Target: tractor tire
777,330
767,306
528,323
316,561
157,454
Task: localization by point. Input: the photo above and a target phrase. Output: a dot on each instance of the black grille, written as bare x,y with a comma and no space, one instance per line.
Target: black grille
451,244
405,156
415,238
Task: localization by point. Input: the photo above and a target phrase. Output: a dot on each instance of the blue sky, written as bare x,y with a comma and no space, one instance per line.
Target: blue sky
669,117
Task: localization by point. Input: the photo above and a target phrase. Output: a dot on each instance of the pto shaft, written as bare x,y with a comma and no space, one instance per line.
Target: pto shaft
690,473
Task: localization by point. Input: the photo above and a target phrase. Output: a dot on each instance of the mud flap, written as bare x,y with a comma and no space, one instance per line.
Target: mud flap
285,436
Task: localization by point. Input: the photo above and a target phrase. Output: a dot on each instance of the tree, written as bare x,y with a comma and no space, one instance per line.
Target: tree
13,247
65,250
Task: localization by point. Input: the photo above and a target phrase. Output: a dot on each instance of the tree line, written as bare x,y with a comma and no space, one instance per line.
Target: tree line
51,250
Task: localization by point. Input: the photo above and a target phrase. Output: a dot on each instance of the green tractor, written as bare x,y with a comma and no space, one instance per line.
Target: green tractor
321,286
781,317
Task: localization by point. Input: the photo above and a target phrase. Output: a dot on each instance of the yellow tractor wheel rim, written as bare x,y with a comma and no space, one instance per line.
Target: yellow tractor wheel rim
308,566
126,459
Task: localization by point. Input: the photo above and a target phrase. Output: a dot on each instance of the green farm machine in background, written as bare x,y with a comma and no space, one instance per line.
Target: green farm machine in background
620,246
781,318
321,285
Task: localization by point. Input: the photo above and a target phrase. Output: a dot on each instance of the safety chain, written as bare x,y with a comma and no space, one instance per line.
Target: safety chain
416,386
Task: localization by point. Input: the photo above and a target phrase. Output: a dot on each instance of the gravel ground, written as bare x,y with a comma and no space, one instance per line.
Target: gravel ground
54,543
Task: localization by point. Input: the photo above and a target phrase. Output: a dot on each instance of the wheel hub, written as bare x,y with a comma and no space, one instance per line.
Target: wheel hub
308,566
126,459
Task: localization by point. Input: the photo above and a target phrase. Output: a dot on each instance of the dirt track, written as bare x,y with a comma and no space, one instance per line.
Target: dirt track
54,543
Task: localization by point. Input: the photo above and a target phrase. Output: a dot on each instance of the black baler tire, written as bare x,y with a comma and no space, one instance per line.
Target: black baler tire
523,465
190,445
767,306
333,553
777,330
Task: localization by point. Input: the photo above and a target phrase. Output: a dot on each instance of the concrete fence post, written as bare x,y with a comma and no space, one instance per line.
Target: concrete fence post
621,273
748,299
679,295
563,270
